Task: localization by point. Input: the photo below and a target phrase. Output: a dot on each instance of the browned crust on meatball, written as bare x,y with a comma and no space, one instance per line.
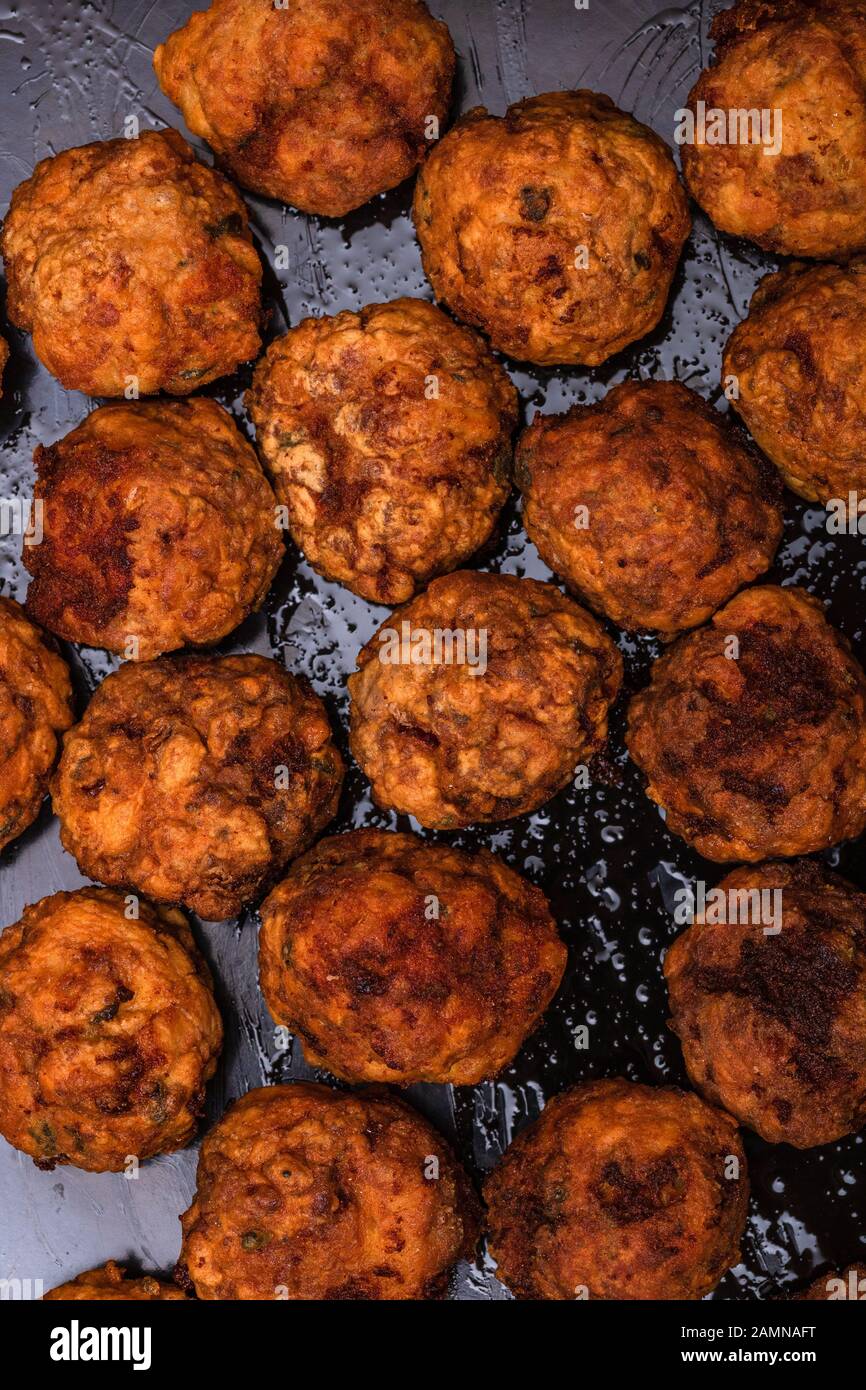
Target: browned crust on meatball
196,779
111,1283
388,436
35,708
799,360
132,265
773,1025
159,526
679,510
762,754
503,206
619,1191
807,61
396,960
837,1285
451,747
322,105
308,1193
108,1031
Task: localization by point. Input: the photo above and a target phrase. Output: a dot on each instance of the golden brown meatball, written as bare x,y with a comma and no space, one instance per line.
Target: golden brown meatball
752,731
799,360
648,504
111,1283
322,105
773,1023
108,1031
160,529
132,265
556,228
401,961
388,434
308,1193
477,700
619,1191
850,1283
799,186
35,708
196,779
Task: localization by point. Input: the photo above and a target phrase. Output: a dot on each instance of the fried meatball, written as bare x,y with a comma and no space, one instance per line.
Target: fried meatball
773,1023
556,228
308,1193
752,731
159,526
477,700
388,434
35,708
132,265
799,360
804,62
110,1282
619,1191
648,504
196,779
108,1031
322,105
401,961
850,1283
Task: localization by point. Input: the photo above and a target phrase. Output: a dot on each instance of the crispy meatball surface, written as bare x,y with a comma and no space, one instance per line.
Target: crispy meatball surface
196,779
805,62
773,1025
388,435
35,708
619,1191
308,1193
159,527
648,504
108,1031
800,364
846,1284
556,228
322,105
401,961
110,1282
752,731
453,743
132,265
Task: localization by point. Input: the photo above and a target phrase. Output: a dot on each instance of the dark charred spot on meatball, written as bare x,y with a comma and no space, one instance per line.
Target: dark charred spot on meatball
98,588
800,344
534,203
802,982
787,684
630,1191
231,225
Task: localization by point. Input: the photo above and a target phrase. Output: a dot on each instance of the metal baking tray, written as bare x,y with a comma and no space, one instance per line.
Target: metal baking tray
71,74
